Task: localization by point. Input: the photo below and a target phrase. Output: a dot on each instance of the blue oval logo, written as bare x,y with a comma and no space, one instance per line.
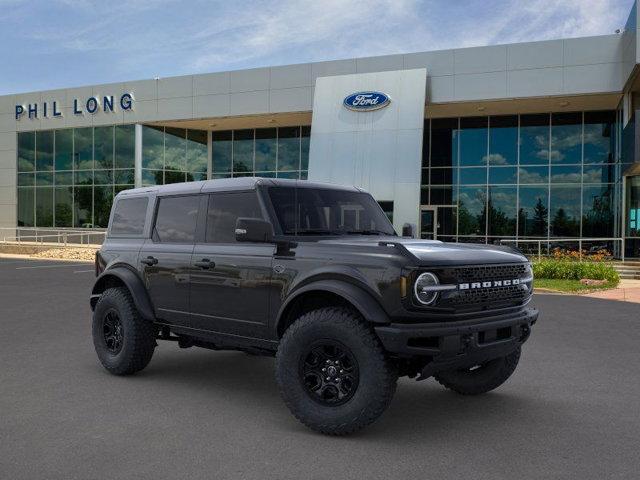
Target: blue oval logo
366,101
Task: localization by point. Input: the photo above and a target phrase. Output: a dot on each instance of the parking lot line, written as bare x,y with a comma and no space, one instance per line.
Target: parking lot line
84,271
52,266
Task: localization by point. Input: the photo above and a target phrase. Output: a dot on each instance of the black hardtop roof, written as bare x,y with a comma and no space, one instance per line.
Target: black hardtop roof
229,184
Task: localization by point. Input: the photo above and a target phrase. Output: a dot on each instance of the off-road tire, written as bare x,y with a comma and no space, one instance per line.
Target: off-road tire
483,379
377,375
138,335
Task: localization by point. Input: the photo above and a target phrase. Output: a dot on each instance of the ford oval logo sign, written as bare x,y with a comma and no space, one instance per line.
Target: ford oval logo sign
366,101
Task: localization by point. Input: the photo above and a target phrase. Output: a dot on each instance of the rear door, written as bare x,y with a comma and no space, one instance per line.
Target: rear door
230,281
165,258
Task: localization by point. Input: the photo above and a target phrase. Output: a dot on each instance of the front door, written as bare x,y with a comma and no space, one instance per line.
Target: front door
230,281
165,259
428,223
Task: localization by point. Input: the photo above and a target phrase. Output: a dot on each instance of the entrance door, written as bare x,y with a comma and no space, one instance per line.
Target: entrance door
428,223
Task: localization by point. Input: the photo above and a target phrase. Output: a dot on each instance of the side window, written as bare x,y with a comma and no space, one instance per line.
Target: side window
129,216
176,219
224,209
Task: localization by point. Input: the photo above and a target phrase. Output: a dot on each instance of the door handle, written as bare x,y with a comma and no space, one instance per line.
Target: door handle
205,264
149,260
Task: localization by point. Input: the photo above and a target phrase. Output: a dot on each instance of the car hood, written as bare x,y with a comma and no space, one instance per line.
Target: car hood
434,252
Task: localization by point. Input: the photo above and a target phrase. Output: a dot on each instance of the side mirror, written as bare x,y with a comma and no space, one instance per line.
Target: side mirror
407,230
254,230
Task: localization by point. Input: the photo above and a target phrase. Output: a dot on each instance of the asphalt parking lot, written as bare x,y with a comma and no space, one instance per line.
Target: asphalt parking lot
571,410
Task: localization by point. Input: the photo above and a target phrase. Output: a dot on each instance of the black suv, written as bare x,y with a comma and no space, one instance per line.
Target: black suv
314,275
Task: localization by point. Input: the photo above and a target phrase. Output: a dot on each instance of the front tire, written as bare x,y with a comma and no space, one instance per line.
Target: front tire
123,340
333,373
481,378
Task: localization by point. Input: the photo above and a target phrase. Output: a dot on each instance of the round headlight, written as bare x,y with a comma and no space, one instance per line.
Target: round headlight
422,288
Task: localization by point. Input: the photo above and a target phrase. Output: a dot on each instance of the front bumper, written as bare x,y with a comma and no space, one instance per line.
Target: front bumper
461,344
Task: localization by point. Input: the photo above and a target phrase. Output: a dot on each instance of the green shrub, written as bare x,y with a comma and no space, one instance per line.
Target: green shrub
570,270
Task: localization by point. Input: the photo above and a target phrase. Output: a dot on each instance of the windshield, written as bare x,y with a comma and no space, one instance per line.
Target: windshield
310,211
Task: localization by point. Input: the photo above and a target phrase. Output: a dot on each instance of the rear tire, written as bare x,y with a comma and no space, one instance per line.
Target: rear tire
357,383
482,378
123,340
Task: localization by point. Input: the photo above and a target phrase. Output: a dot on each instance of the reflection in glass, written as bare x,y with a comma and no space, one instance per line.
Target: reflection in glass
26,151
444,138
266,146
288,148
599,141
534,139
175,149
152,147
242,151
125,146
501,211
503,175
473,141
534,175
566,174
102,200
604,173
304,149
63,159
503,140
473,176
471,211
222,148
83,148
26,205
63,206
44,206
103,147
197,154
597,211
44,150
566,138
533,213
564,212
82,204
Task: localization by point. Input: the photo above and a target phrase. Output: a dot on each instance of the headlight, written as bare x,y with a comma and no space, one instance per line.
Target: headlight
424,290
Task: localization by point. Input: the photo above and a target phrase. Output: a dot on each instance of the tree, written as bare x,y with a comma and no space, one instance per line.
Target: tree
540,219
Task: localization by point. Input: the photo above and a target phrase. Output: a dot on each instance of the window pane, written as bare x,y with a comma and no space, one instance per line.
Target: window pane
599,140
471,211
175,150
473,141
503,140
103,177
443,176
176,220
566,138
128,216
597,211
533,214
197,152
26,179
63,178
304,148
501,211
534,139
224,209
174,176
103,147
83,177
443,196
473,176
64,149
566,174
153,147
102,199
503,175
83,148
242,151
83,201
124,177
221,151
44,150
294,174
534,175
125,151
26,202
288,148
599,173
152,177
64,206
26,151
565,211
44,207
266,149
44,179
444,137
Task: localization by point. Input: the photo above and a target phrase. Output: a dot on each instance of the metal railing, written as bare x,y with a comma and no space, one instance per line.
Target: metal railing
545,247
52,236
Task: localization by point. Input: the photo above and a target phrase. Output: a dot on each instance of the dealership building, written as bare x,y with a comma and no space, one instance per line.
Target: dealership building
530,143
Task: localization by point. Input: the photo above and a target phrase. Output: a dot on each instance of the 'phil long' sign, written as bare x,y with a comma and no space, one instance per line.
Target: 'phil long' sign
106,103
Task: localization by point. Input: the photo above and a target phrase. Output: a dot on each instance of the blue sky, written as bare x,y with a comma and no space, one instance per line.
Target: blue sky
47,44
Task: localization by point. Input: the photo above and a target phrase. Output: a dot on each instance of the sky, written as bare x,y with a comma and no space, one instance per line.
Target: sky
48,44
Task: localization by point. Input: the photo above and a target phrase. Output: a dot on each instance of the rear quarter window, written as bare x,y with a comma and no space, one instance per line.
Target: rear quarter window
129,215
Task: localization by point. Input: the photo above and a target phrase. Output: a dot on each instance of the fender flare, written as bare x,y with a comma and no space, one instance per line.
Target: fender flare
133,283
364,302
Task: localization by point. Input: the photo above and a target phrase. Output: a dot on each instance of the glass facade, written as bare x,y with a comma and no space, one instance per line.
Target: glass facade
541,176
281,152
68,177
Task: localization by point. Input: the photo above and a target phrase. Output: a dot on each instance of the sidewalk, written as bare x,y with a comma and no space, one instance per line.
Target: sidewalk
627,291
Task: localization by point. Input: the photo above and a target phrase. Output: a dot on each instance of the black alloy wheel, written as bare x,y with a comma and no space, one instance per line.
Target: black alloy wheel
112,331
329,373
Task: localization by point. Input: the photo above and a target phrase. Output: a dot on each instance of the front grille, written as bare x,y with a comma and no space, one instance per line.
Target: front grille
486,297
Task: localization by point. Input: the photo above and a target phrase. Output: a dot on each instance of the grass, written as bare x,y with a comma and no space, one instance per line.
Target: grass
569,286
